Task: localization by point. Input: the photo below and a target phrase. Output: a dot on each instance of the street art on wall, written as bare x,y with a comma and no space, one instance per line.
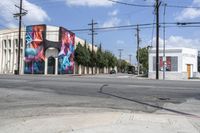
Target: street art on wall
66,54
34,49
36,45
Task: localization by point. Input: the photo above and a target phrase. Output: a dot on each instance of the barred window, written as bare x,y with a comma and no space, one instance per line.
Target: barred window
171,63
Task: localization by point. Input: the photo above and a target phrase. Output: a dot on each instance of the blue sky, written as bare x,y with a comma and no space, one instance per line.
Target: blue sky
76,14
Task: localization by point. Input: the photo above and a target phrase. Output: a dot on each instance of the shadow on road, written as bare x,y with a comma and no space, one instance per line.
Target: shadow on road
147,104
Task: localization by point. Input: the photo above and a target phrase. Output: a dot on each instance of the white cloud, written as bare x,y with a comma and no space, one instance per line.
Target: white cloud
196,2
35,13
113,13
189,13
114,21
178,41
89,3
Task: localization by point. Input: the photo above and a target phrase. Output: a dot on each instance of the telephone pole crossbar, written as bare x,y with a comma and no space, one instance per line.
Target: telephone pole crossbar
20,15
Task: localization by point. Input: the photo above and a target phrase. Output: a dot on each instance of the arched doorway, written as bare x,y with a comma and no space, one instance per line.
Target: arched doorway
51,65
51,61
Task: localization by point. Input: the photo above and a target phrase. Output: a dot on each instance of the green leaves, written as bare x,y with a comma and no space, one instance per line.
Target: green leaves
84,56
143,58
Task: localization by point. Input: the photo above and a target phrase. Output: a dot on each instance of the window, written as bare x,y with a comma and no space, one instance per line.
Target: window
16,43
171,63
4,44
22,43
9,43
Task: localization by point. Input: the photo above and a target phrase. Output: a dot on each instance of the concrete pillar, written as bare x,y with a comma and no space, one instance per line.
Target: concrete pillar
89,70
56,66
79,69
85,70
46,66
94,70
115,68
1,54
74,72
104,69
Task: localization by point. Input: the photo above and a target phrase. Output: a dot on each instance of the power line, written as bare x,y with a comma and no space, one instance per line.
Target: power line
176,6
139,5
130,4
125,27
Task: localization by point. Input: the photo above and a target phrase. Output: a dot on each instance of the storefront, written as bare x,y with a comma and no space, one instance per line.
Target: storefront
180,63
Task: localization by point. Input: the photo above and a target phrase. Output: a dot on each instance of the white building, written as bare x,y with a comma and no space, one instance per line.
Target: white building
181,63
53,38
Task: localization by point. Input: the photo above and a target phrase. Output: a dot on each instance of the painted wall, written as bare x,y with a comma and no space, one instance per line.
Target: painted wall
39,40
66,54
34,49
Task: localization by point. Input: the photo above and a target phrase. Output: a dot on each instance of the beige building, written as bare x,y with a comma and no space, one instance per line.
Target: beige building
9,50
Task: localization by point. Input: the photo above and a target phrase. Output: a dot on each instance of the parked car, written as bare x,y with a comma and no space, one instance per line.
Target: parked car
131,70
112,72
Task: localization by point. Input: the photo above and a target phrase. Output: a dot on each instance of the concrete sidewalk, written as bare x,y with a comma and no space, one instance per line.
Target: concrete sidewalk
90,120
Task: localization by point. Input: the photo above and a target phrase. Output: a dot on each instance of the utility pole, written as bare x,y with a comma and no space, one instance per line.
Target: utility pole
138,47
120,58
92,34
20,14
164,57
130,58
157,38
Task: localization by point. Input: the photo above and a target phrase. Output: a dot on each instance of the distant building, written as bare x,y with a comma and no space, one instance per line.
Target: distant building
181,63
44,50
198,61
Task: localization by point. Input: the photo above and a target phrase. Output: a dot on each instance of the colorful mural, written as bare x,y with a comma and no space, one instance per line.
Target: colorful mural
66,54
34,50
36,45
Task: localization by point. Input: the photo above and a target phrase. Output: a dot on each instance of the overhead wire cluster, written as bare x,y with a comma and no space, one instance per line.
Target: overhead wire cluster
131,27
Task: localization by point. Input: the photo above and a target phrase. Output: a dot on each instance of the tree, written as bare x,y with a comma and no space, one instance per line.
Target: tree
79,54
124,65
110,59
100,58
86,55
82,55
143,58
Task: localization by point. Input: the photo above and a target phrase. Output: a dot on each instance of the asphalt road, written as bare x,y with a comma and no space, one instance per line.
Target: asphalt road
40,92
